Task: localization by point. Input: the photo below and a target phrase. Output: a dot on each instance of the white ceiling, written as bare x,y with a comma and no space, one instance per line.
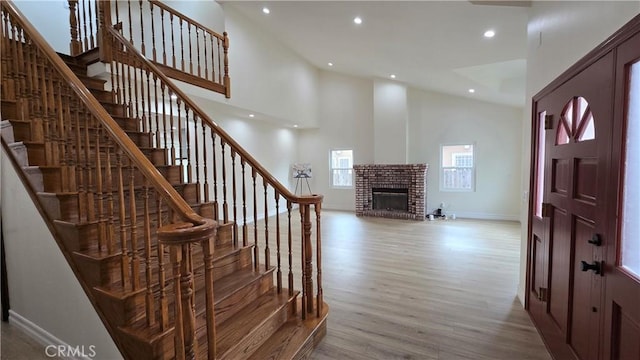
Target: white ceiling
431,45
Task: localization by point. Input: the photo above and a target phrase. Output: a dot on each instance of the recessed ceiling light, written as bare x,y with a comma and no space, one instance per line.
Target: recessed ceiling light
357,20
174,96
251,115
472,90
330,63
393,76
295,126
489,33
266,10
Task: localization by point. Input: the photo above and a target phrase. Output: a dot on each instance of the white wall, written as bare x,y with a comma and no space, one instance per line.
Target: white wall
207,13
345,122
267,77
559,34
274,147
437,119
390,122
42,288
40,13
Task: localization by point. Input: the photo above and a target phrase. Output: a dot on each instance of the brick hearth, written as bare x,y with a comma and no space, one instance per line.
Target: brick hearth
412,177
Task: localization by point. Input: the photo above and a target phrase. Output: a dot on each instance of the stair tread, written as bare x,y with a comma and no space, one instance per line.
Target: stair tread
294,335
248,319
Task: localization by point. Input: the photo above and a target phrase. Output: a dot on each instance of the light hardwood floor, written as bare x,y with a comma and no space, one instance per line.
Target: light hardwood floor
423,290
401,289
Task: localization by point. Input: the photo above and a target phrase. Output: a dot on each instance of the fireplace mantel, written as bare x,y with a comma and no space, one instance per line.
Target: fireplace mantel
412,177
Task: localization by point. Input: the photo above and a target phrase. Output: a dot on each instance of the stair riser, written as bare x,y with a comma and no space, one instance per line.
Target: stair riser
80,237
228,265
21,130
225,234
160,349
226,308
115,110
98,272
103,96
125,311
141,139
8,89
36,154
60,207
93,83
59,179
307,349
19,153
256,338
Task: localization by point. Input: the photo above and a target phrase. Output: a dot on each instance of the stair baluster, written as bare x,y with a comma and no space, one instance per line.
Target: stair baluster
75,45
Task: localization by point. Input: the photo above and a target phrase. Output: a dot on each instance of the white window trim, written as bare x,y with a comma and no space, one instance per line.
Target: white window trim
331,169
473,168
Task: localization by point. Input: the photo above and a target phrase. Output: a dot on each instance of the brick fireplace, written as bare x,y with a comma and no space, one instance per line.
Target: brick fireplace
393,191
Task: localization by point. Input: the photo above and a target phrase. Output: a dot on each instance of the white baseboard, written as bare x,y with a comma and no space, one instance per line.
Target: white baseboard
45,338
486,216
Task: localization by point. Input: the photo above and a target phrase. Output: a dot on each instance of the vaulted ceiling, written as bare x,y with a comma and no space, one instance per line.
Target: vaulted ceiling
431,45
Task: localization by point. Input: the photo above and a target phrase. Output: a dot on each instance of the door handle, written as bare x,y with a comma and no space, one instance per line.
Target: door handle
595,240
595,266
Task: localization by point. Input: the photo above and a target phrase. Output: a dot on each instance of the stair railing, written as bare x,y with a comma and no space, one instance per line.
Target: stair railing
107,181
225,174
181,47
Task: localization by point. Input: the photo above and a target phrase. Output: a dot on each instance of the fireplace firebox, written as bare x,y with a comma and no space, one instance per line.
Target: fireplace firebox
390,199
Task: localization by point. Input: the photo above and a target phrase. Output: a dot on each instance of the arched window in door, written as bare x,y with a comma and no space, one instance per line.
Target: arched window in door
576,122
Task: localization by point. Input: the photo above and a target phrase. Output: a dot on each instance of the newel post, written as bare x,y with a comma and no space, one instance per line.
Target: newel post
75,45
180,237
104,20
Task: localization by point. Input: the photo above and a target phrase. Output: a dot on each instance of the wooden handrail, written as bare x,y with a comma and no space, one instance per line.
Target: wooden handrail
173,198
283,190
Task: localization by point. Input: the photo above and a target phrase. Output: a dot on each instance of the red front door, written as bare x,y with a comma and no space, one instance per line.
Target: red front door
584,239
566,290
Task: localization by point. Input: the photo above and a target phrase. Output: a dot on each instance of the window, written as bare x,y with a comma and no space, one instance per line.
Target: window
630,252
457,167
539,176
342,168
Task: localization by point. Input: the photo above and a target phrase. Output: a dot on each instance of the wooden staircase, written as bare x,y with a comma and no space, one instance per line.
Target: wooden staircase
157,299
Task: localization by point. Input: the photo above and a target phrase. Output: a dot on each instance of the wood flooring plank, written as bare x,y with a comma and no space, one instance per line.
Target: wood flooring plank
401,289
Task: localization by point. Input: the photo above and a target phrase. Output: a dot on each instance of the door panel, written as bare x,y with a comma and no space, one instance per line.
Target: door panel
626,335
560,266
583,314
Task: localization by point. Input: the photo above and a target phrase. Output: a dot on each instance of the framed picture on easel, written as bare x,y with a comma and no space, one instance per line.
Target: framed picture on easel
301,171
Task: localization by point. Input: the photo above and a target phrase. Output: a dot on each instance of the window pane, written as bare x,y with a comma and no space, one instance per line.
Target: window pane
540,165
458,178
341,168
631,192
457,167
343,177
